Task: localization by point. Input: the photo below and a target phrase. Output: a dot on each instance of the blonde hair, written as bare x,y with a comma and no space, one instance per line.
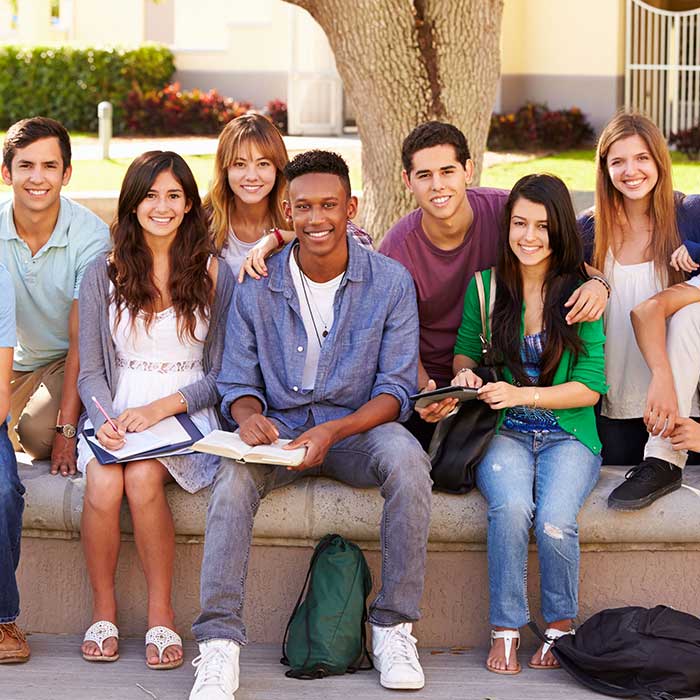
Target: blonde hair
609,202
238,134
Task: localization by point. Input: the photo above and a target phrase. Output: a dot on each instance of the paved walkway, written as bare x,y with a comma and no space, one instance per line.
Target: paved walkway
57,672
88,147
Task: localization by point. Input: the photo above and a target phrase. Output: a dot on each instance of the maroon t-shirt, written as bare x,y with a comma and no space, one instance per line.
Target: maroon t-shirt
442,276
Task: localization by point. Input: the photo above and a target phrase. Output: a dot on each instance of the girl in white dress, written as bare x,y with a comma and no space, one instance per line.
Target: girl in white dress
151,340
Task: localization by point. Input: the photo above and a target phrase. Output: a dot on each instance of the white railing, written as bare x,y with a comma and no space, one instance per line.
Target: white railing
662,65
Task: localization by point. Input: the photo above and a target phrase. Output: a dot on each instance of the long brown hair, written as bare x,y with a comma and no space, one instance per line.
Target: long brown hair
564,274
609,202
130,264
238,134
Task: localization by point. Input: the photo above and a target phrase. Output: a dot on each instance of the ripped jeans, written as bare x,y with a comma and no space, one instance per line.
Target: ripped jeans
541,478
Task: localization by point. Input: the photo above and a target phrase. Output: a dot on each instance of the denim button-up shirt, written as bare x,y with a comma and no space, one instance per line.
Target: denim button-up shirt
371,349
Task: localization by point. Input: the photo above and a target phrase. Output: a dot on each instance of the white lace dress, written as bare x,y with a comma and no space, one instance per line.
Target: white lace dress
151,365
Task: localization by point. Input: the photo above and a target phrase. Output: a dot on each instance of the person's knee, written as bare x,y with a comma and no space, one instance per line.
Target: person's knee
104,489
685,322
514,511
143,482
553,525
404,461
35,436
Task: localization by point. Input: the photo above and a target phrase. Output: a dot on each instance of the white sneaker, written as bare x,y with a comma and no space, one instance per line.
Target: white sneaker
216,674
396,658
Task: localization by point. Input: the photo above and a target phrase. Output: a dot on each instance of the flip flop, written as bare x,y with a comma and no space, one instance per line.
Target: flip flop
551,634
99,632
162,638
508,636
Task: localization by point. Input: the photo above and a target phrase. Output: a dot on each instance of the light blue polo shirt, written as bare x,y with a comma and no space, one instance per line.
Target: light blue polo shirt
8,334
46,284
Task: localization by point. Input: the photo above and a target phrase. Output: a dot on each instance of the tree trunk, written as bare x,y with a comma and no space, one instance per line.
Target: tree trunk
404,62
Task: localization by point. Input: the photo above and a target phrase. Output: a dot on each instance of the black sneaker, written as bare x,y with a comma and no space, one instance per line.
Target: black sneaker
645,483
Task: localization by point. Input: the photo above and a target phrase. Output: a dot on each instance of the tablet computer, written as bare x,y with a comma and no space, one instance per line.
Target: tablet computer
461,393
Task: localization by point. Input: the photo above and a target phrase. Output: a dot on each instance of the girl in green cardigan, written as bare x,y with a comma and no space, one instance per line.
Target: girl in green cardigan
545,458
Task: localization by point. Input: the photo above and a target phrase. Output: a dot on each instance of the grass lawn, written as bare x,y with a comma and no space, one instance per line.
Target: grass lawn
577,170
574,167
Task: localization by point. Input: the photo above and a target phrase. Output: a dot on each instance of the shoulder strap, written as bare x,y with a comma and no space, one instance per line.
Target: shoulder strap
486,320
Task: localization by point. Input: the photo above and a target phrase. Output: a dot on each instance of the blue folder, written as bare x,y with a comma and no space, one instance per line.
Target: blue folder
104,457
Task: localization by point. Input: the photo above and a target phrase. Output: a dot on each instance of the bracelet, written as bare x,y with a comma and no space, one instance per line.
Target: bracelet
535,399
603,281
278,236
464,369
183,400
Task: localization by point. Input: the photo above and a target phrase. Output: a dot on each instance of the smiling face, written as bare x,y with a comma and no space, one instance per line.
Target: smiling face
320,207
438,181
36,176
528,233
252,175
631,167
162,210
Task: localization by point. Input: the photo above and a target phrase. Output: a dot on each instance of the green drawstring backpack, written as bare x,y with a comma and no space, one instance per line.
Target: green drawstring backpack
325,635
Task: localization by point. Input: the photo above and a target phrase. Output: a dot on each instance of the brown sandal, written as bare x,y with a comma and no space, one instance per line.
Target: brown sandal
551,635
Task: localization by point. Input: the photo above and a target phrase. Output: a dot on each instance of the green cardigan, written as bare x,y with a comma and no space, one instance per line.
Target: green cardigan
589,369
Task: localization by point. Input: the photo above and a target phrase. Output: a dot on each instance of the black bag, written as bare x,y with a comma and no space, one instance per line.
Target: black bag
631,651
460,441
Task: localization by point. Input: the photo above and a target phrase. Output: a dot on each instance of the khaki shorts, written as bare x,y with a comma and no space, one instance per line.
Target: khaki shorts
35,400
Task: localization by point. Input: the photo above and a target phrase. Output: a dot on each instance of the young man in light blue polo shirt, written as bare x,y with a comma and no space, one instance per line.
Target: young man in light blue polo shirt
46,242
13,644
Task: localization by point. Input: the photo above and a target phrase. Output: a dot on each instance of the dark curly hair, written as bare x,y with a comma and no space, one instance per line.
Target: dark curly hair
317,161
130,264
431,134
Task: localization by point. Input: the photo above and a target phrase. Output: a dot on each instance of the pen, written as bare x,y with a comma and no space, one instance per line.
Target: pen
104,413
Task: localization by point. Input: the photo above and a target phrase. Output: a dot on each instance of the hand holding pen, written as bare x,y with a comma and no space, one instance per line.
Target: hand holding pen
111,434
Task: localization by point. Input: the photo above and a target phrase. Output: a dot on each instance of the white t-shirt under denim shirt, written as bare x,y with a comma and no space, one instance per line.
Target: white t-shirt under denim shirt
627,373
321,296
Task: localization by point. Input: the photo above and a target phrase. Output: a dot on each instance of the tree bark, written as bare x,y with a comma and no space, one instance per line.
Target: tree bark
404,62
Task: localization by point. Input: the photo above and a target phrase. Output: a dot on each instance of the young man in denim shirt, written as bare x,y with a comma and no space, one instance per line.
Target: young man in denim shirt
13,645
323,350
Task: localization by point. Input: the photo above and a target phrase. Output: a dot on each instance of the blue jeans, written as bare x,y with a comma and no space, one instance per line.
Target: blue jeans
541,478
11,507
387,457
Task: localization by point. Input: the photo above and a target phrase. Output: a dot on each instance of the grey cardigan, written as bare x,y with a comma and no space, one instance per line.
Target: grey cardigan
98,356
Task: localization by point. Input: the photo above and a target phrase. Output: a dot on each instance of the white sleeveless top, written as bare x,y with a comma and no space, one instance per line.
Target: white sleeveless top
627,373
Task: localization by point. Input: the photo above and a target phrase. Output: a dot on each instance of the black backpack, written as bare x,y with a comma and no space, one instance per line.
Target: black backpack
631,651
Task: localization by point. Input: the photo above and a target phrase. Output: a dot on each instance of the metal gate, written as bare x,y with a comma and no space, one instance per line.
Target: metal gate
662,65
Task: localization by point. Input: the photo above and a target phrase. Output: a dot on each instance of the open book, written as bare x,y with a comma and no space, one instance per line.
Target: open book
225,444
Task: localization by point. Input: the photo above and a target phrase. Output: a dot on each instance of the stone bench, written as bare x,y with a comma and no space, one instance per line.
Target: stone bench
644,558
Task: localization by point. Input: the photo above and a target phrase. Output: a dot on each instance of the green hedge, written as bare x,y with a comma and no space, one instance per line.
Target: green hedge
67,83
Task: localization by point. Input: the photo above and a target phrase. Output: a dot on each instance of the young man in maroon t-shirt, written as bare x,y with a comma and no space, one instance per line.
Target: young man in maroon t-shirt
453,233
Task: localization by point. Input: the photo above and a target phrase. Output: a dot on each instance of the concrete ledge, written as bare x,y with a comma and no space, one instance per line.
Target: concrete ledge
302,513
642,558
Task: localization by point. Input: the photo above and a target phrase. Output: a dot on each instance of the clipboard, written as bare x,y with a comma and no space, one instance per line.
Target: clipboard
105,457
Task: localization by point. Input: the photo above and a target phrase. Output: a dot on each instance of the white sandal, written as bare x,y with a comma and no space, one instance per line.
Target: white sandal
551,635
507,636
99,632
162,638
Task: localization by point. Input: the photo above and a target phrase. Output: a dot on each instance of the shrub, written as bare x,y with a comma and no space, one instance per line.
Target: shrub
534,125
277,111
688,142
67,83
174,111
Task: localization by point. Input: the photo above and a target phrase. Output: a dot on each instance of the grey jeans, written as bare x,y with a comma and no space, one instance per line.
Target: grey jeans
387,456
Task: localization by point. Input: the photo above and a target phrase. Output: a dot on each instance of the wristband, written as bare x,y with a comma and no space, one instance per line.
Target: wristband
603,281
535,399
278,236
